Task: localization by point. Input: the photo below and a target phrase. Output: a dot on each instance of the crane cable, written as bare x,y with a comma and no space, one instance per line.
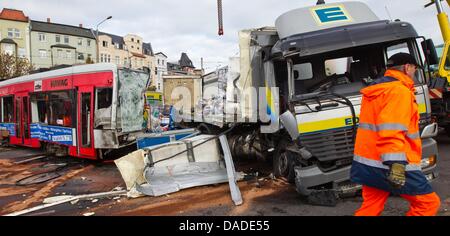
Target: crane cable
220,16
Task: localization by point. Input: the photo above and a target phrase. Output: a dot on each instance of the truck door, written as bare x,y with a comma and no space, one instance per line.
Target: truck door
85,131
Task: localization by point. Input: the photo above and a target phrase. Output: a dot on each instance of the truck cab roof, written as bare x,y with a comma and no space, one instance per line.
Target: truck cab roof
342,37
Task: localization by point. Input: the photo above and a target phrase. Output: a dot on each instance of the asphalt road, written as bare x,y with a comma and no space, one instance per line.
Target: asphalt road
261,198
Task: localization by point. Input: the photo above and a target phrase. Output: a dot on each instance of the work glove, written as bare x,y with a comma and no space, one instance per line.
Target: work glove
397,177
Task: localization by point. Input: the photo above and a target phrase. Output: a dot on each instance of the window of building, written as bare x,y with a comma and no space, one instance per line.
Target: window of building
117,60
80,56
22,52
109,58
14,33
80,42
137,48
68,54
88,42
158,61
60,53
132,39
138,41
132,47
159,86
58,38
17,34
66,39
105,44
10,33
42,37
42,53
9,49
7,110
117,46
125,61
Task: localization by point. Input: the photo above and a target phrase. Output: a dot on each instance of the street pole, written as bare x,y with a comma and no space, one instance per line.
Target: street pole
96,37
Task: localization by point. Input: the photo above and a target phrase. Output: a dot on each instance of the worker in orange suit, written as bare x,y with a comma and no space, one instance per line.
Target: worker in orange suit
388,148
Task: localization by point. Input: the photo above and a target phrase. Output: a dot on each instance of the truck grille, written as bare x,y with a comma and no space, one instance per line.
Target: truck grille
333,145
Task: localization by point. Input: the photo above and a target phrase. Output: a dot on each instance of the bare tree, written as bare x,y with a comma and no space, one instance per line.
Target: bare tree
11,66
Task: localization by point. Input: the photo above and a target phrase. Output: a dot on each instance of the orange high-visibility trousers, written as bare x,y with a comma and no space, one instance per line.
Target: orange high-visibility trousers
420,205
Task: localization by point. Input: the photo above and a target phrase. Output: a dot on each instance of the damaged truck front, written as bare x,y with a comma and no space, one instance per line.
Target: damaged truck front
311,68
326,54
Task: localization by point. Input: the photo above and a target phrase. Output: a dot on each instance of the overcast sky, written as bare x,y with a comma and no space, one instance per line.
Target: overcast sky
175,26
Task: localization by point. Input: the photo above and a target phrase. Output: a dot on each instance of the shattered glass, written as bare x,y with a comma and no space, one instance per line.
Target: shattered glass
132,86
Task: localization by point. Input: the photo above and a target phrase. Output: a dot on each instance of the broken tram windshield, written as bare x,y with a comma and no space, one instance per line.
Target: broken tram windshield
132,85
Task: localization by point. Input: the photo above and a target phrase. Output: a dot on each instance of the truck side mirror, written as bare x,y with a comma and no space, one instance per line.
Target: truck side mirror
290,124
429,51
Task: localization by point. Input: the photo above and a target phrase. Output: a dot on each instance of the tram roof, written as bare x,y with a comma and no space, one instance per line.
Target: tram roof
81,69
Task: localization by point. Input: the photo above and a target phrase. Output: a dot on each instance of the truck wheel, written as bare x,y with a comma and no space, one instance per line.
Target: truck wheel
283,163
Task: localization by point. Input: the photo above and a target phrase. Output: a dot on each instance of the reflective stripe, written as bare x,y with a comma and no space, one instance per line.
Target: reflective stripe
412,167
392,127
401,156
387,126
369,162
379,164
368,127
413,135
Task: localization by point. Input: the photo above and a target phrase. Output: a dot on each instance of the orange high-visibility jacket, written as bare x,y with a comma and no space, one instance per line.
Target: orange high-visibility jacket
388,133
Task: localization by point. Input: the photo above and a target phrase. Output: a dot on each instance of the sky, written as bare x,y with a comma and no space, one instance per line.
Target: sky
190,26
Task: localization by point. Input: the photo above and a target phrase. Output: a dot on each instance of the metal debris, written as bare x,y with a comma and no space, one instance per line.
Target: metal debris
30,160
68,199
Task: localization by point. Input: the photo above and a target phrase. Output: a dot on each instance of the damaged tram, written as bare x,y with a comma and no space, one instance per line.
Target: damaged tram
86,111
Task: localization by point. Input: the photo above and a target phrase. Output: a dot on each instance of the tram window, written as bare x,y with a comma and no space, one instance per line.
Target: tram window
85,119
39,108
104,98
59,109
8,110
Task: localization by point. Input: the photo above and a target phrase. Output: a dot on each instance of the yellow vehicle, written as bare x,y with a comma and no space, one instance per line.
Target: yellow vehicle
440,79
154,99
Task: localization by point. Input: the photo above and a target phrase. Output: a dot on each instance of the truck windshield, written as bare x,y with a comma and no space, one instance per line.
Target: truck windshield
132,86
347,71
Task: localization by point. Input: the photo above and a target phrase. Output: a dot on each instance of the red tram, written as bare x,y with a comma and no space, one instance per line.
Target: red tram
84,111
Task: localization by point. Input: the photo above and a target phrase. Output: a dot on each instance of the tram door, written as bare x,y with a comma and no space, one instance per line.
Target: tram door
85,131
22,114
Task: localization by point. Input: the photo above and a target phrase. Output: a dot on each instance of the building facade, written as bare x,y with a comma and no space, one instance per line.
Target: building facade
160,71
128,51
14,33
57,44
184,66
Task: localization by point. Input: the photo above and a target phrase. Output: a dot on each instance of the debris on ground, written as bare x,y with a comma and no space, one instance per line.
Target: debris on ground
89,214
57,200
170,167
31,159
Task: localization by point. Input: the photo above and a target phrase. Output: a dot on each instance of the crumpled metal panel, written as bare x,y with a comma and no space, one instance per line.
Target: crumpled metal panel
161,180
132,85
